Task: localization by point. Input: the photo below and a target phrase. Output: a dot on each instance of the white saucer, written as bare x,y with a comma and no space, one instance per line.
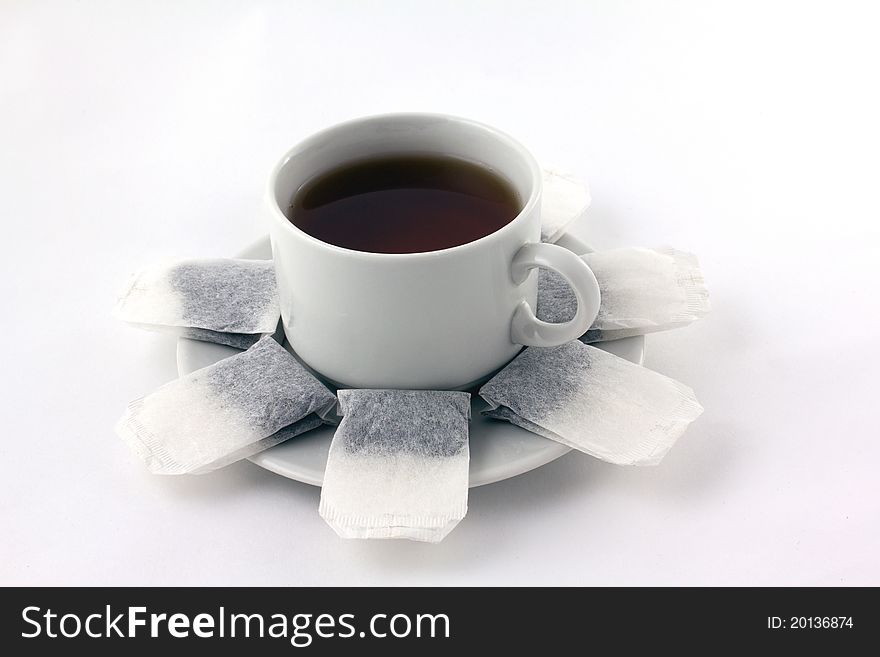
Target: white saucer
499,450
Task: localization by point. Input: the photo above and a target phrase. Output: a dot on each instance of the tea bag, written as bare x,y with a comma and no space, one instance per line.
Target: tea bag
225,412
592,401
564,200
643,290
398,464
228,301
237,340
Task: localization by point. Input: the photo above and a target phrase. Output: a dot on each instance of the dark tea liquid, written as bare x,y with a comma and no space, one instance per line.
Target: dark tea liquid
404,204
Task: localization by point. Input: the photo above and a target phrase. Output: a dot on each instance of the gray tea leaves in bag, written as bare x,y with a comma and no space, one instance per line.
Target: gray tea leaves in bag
226,412
223,300
398,464
592,401
237,340
643,291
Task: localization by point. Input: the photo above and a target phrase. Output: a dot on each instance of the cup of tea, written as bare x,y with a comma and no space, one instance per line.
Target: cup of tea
404,249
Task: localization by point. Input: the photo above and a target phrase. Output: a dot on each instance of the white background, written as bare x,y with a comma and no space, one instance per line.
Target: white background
746,132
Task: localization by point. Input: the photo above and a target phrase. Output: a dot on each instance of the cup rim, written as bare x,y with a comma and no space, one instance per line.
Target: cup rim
525,212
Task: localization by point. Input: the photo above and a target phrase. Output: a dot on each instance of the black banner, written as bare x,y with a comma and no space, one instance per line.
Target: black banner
325,620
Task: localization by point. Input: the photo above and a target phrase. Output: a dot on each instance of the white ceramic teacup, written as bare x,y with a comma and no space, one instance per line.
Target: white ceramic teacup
442,319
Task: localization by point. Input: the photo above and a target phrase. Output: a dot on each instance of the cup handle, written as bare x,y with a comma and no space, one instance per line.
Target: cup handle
525,328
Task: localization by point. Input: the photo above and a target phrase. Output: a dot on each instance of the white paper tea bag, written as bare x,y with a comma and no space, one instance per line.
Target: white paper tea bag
564,200
592,401
225,412
398,464
643,290
228,301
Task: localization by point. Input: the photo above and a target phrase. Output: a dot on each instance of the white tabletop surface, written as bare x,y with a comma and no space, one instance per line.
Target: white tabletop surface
745,132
